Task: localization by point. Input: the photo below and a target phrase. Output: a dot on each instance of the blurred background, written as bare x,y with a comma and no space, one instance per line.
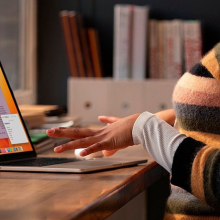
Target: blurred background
32,45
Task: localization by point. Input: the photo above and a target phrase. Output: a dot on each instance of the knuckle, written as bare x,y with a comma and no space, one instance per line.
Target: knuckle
75,130
91,132
57,131
82,140
66,146
98,145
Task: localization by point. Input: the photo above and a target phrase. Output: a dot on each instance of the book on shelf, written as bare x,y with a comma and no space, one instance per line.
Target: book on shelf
178,48
197,40
39,108
174,47
95,51
168,48
64,16
47,116
153,49
74,29
139,42
82,45
85,47
130,41
122,41
35,115
192,43
160,49
60,121
33,119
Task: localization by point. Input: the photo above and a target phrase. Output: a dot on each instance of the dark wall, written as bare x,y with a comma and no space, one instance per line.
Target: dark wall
52,61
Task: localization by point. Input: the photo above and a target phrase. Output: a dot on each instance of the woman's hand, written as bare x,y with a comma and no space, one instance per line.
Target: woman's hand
108,120
115,136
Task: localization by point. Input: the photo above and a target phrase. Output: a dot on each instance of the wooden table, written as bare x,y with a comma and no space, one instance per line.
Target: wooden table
97,195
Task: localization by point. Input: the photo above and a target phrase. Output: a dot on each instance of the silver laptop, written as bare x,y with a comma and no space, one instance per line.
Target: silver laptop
18,154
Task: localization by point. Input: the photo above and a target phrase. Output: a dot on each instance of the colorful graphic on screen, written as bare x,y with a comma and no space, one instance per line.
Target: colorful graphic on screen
13,137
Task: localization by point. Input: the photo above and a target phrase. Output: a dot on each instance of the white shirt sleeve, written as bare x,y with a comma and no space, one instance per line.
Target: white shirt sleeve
158,138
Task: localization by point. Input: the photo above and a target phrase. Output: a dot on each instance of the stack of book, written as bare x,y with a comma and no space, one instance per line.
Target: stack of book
47,116
175,46
82,46
154,48
42,143
35,115
130,41
39,118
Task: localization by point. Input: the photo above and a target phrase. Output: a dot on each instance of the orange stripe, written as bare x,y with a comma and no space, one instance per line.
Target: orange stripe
207,138
212,140
184,95
197,180
211,63
197,83
169,216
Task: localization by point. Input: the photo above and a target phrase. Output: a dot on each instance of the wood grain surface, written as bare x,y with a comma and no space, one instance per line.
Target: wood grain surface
96,195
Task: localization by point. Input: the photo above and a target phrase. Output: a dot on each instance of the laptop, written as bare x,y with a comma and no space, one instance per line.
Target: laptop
17,152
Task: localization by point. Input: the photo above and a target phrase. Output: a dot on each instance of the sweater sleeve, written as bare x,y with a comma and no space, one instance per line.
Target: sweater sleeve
157,137
196,168
193,165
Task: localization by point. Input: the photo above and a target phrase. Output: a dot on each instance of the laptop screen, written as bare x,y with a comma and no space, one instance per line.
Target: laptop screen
13,135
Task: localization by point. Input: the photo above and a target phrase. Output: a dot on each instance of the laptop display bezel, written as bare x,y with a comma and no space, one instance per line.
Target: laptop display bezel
15,156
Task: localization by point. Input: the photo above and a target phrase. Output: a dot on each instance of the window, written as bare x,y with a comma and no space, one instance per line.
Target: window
18,47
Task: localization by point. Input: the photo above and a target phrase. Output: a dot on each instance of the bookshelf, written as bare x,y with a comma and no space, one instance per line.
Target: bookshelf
51,51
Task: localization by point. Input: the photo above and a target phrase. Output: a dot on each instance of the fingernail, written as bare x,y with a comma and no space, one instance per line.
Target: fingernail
83,153
58,148
51,131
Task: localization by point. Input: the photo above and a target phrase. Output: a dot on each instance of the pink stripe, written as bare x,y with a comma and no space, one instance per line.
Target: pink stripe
193,97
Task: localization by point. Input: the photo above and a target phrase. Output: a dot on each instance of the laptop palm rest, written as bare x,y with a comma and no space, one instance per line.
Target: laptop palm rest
98,164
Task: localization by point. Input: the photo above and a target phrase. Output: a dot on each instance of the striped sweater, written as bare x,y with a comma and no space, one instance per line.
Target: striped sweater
196,163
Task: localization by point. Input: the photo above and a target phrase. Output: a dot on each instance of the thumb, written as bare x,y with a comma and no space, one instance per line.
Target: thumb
108,119
108,153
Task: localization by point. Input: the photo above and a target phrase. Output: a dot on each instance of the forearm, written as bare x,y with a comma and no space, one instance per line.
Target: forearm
158,138
167,115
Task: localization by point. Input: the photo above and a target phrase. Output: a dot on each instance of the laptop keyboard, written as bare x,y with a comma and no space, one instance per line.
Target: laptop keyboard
39,162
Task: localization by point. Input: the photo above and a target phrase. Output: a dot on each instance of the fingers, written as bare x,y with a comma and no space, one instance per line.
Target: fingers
109,153
108,119
75,144
73,133
99,146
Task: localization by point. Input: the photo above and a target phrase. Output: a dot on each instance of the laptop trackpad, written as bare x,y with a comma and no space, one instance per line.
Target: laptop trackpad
100,163
83,164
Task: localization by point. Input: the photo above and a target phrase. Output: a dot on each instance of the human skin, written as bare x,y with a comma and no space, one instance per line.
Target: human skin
116,135
167,115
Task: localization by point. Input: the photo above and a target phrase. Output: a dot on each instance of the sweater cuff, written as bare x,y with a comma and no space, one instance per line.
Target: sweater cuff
137,131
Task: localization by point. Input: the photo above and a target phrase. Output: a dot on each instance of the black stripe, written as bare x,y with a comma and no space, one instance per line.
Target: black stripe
200,70
212,179
196,111
201,125
182,162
